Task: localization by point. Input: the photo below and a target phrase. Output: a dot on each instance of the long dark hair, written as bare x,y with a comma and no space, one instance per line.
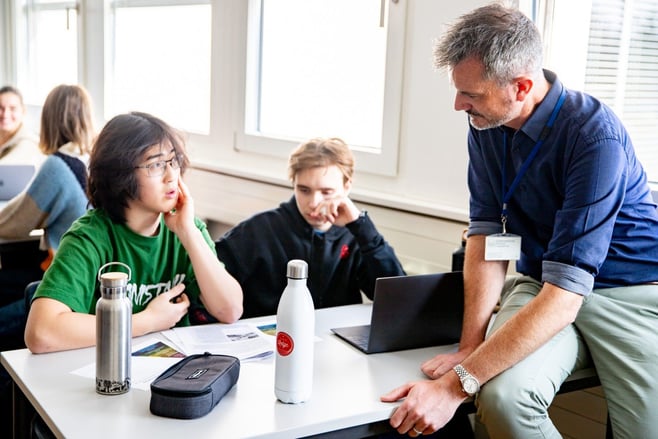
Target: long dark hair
120,147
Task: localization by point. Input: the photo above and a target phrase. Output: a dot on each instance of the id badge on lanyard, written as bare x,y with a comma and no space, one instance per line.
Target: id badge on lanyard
502,246
507,246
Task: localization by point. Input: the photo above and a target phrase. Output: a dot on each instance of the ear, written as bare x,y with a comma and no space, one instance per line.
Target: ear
523,87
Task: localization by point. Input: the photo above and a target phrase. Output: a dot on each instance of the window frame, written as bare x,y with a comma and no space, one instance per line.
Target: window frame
109,39
385,161
18,26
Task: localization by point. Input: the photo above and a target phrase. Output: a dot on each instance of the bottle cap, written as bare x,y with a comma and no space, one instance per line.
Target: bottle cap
114,279
297,269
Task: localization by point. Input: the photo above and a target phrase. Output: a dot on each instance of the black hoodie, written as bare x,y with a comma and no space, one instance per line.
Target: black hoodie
342,262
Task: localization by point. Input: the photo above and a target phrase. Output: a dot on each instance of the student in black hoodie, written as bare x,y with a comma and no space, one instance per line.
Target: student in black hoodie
319,224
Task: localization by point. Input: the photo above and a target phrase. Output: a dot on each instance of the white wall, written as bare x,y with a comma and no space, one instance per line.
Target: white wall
423,244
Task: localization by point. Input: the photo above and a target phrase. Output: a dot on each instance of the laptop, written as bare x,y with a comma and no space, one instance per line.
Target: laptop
411,312
14,179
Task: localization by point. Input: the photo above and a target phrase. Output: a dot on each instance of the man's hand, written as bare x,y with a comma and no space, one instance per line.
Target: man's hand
428,405
443,363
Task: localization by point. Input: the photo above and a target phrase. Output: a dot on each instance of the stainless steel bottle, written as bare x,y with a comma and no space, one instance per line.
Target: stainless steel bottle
113,332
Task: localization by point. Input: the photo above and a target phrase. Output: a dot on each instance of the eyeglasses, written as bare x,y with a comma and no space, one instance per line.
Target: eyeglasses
157,169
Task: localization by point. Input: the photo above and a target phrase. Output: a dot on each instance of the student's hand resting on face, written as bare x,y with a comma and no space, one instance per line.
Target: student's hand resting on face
338,211
182,216
168,308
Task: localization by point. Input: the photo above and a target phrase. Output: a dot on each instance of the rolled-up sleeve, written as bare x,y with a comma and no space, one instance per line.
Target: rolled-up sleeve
567,277
483,228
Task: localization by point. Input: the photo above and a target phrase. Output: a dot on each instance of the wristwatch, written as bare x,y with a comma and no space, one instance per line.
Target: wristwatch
470,384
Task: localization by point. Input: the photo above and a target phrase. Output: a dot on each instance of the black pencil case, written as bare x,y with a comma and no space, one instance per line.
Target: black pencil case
192,387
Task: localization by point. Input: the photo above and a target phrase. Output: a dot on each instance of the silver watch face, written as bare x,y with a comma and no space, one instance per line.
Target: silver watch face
470,385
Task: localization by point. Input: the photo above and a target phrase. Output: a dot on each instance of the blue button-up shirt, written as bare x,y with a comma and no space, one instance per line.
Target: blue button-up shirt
584,209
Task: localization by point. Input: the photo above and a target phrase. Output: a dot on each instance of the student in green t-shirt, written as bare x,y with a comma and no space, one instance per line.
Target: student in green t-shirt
143,217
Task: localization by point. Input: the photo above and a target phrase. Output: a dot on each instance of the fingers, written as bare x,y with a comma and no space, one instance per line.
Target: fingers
326,210
339,209
406,420
176,290
403,421
441,364
416,431
397,393
176,295
183,186
183,189
181,298
166,309
432,368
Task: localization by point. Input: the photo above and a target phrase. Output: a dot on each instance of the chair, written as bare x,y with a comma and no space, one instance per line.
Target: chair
39,429
30,289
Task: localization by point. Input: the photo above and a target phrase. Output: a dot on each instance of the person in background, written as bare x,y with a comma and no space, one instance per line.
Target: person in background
17,144
142,216
555,171
319,224
53,200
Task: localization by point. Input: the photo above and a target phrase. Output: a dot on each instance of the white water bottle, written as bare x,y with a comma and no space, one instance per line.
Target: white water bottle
295,334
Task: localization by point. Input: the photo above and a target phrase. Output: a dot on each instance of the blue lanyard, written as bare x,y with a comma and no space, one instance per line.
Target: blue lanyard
526,164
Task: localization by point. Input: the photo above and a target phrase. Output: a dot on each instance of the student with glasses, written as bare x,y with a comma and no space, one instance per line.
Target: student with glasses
143,216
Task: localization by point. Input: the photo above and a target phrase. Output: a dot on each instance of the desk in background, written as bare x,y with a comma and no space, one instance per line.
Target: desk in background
22,251
35,235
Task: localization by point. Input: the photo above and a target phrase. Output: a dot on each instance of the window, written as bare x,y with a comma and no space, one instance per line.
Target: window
145,55
324,68
622,69
615,59
248,75
46,46
159,61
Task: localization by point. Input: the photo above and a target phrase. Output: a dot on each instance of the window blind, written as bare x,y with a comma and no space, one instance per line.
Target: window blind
622,69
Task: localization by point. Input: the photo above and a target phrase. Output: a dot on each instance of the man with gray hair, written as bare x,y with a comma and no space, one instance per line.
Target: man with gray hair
555,184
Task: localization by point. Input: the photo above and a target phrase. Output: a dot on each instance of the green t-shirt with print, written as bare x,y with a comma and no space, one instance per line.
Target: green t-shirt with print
157,263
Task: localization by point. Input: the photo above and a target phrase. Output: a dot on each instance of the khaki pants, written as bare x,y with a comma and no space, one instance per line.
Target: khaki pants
617,327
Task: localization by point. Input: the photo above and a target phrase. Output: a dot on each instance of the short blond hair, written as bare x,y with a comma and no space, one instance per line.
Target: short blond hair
320,153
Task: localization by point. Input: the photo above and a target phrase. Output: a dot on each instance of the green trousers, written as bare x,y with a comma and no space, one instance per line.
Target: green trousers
616,329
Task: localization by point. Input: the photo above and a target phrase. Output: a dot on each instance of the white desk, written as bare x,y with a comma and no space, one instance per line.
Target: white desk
346,390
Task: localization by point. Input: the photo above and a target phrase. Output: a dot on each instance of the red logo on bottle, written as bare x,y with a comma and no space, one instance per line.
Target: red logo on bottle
284,344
